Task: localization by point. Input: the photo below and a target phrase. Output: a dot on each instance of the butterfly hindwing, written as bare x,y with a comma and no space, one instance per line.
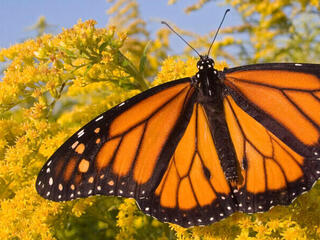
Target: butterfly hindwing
272,172
193,190
118,152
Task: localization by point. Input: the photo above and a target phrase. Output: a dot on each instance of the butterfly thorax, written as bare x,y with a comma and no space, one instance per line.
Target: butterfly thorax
210,95
208,83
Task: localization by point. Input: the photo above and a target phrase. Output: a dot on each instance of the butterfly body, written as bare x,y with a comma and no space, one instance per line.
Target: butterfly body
211,93
197,149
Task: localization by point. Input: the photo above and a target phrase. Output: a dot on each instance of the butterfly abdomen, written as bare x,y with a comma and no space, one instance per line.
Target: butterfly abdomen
223,144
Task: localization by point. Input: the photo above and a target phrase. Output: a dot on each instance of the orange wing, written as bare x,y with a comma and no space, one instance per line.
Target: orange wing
193,190
118,152
272,172
284,98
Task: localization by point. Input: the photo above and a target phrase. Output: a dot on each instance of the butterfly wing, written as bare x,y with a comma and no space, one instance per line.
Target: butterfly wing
273,118
118,152
285,98
193,190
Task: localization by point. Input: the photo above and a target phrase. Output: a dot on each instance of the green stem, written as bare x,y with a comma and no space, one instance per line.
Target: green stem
132,70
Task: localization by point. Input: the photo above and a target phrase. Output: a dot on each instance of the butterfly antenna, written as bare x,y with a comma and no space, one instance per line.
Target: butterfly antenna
165,23
228,10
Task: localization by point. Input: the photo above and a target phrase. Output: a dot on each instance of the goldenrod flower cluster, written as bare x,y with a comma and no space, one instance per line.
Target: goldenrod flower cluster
51,86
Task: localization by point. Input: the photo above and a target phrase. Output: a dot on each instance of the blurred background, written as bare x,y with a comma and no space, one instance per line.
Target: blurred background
58,72
253,27
36,17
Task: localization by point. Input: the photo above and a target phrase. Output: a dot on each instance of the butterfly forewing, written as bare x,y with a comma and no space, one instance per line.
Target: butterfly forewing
118,152
284,98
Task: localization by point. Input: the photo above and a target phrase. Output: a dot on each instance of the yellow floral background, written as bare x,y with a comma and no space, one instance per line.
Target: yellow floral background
54,84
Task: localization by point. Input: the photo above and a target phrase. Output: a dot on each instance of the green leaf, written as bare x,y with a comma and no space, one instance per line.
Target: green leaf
103,46
143,59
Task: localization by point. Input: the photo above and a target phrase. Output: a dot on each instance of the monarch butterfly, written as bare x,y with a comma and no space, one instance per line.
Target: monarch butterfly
197,149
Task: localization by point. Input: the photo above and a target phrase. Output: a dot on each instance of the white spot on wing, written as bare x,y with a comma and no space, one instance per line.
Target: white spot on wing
73,146
48,164
80,133
121,104
298,64
99,118
50,181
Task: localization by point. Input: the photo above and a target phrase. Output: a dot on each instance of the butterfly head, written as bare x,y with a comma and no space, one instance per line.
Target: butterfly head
205,63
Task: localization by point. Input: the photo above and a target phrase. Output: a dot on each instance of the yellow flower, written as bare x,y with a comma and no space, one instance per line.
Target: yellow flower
293,234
